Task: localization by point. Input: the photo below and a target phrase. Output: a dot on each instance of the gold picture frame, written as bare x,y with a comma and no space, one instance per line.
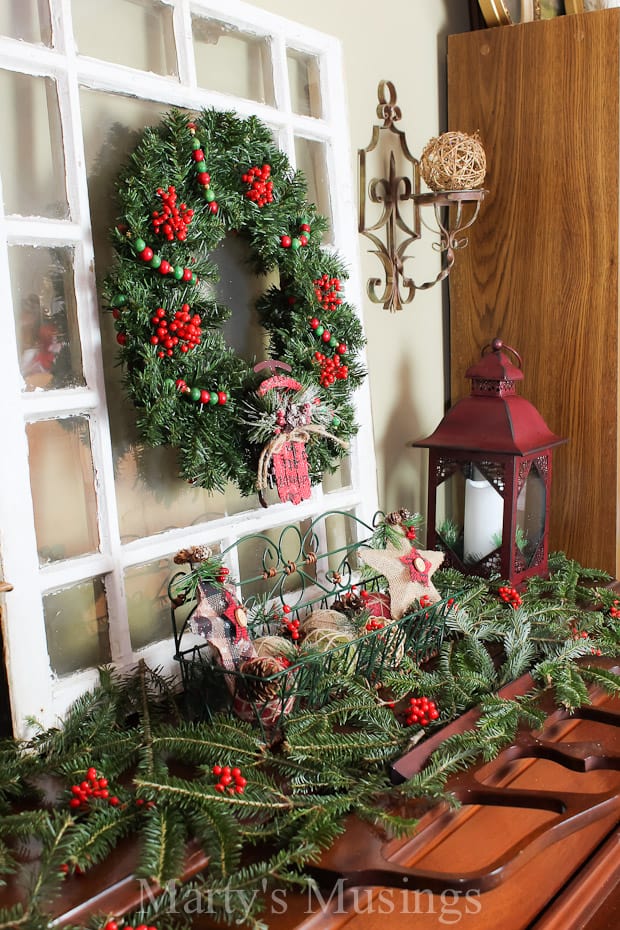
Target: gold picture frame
509,12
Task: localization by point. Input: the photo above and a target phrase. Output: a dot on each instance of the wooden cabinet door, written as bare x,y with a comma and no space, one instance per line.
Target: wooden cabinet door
541,269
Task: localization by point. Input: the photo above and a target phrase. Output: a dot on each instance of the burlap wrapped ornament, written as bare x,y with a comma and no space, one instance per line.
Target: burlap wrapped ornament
408,571
453,161
262,692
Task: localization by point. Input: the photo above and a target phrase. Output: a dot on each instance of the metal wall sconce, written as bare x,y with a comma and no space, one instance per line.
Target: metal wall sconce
455,210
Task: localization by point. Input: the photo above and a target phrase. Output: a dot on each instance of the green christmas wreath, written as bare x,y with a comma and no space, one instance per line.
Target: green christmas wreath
189,183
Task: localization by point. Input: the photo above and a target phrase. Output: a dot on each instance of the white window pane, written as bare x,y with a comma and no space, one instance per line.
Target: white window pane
76,626
32,162
46,317
145,39
232,61
148,605
63,488
305,87
339,479
28,20
311,158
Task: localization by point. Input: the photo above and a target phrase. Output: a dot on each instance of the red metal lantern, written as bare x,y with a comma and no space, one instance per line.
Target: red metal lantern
490,476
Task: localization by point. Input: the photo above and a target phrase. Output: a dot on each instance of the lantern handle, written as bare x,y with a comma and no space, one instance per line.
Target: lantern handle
497,345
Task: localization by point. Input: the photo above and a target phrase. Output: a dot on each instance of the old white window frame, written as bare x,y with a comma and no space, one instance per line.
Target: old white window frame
35,691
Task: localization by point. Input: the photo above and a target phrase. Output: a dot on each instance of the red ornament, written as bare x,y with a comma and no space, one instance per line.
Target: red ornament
285,242
121,338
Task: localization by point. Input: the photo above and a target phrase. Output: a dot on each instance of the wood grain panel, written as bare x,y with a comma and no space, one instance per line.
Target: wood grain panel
541,270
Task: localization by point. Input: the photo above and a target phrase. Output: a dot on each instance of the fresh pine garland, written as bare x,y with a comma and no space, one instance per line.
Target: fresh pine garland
189,184
286,801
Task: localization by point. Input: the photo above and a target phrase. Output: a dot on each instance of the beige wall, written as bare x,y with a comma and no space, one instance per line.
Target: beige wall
403,41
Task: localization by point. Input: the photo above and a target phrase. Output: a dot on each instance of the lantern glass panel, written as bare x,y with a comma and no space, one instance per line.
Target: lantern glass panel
450,511
531,511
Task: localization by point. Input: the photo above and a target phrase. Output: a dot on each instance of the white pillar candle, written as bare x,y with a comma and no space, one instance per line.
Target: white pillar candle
484,520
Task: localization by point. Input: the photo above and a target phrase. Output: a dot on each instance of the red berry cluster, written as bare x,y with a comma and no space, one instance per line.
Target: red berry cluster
614,610
114,925
93,786
173,221
421,710
260,187
183,330
510,596
576,633
292,626
202,175
200,395
330,369
223,573
410,533
230,780
374,624
425,600
326,290
298,241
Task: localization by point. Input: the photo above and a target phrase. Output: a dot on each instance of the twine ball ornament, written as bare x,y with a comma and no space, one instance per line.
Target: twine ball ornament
321,620
453,161
275,647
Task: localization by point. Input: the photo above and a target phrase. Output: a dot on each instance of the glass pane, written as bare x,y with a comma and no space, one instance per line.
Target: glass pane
339,479
45,311
273,548
31,155
531,514
150,496
146,28
28,20
76,625
231,61
304,82
450,506
148,606
311,158
62,480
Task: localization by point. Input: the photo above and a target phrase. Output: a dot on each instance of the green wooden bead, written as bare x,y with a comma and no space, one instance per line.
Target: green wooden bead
209,195
319,330
213,398
178,272
195,393
139,244
196,144
295,244
155,262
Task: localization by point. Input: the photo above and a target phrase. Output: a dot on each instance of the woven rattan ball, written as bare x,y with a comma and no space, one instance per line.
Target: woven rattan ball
453,161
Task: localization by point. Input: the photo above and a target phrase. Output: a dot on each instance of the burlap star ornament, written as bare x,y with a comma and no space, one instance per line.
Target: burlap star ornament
408,571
